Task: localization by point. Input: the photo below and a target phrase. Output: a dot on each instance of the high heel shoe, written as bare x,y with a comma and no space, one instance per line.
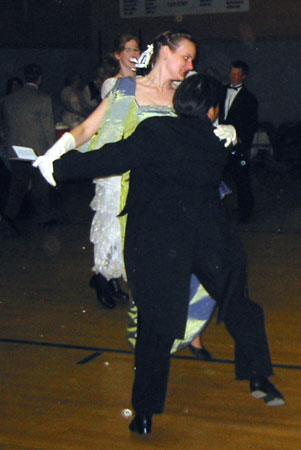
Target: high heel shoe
100,284
116,290
201,354
141,424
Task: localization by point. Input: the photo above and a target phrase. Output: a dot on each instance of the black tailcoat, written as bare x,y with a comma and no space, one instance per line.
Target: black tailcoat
243,115
176,224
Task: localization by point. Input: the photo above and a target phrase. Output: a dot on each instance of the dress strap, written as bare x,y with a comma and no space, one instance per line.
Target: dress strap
126,85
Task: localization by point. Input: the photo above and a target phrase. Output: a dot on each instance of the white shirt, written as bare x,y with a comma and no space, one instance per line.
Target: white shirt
231,94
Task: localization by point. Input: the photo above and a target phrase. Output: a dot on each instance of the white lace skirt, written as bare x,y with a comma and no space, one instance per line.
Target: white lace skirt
105,230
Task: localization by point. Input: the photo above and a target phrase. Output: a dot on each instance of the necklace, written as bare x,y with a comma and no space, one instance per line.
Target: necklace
161,86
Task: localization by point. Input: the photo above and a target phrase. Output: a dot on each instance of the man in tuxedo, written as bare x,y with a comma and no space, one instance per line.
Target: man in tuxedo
29,120
240,109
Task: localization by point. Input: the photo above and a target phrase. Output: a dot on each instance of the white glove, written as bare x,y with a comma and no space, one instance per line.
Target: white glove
227,132
45,162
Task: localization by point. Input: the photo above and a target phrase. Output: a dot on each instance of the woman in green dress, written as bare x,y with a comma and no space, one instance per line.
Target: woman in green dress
130,102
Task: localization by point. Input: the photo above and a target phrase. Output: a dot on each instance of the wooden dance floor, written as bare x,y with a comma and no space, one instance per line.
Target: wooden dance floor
67,370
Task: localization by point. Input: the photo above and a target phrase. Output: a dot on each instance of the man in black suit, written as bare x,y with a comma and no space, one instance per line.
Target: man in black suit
176,226
240,109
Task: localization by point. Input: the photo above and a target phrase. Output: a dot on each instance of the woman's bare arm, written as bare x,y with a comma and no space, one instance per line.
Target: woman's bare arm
90,126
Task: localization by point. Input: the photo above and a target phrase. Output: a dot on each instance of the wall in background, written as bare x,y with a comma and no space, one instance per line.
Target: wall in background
71,35
267,20
45,23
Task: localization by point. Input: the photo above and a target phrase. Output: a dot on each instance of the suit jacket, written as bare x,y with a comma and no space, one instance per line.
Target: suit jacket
29,120
243,115
176,168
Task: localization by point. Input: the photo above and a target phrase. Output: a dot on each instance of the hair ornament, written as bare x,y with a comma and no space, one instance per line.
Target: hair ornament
143,61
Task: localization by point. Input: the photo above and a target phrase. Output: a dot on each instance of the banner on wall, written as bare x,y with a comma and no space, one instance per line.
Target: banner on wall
154,8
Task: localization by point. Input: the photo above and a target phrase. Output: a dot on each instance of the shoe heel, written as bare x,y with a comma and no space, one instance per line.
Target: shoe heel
258,394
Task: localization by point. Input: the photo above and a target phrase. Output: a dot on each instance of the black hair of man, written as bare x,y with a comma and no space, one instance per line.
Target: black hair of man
32,73
241,65
196,95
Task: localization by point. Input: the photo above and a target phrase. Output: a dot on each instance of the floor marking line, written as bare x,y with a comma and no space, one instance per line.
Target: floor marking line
89,358
126,352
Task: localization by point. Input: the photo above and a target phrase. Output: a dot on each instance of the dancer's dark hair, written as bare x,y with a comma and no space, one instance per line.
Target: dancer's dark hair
196,95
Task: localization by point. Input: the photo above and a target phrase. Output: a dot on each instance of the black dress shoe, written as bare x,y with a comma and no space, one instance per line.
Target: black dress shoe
261,387
116,290
201,354
97,282
141,424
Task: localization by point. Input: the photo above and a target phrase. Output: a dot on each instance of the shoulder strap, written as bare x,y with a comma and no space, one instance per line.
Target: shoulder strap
127,85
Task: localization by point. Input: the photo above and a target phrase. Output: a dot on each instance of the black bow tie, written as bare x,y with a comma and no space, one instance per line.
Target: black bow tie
235,87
